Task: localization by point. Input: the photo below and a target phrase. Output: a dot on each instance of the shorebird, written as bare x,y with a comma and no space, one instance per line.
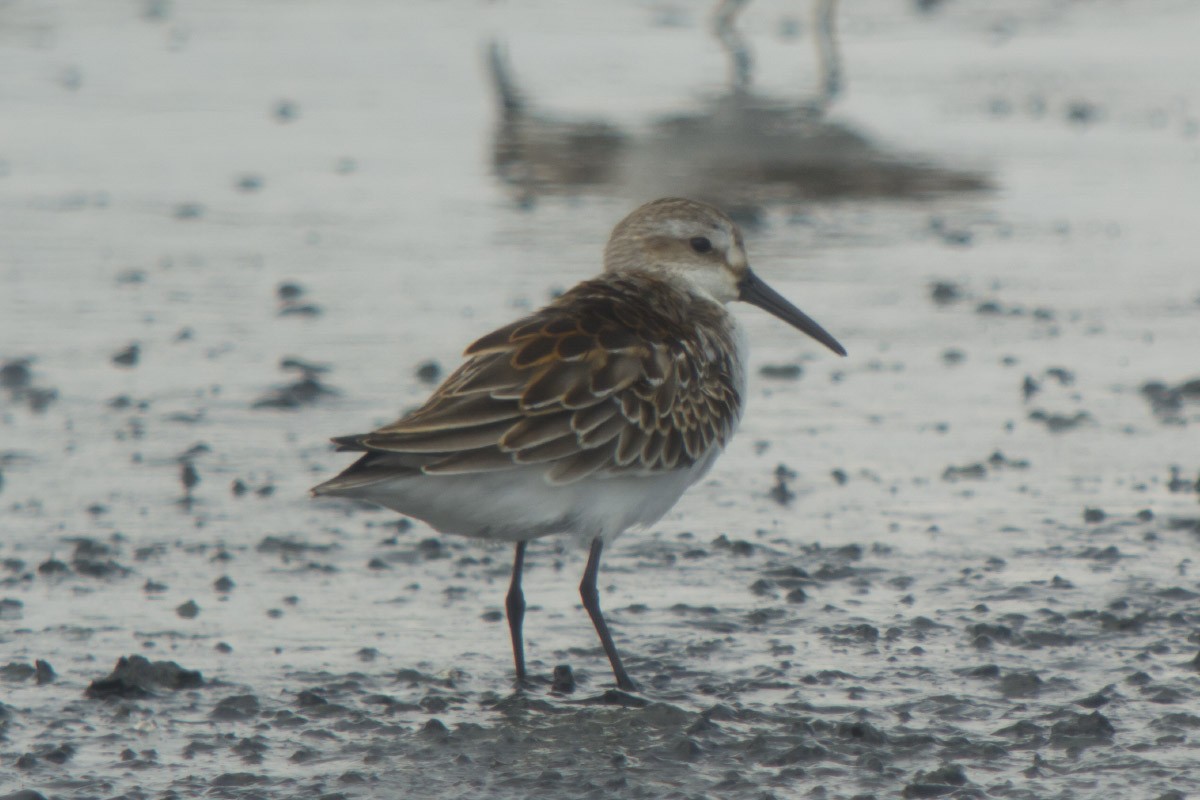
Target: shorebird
590,416
739,144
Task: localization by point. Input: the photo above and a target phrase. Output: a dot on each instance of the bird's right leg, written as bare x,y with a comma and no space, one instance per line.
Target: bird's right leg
515,606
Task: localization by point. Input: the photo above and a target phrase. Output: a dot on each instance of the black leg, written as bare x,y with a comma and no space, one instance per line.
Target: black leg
515,605
591,601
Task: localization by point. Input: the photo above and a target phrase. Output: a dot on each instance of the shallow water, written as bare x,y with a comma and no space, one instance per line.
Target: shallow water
976,579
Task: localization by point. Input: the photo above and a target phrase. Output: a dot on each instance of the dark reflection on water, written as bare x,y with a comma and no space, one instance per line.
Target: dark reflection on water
739,148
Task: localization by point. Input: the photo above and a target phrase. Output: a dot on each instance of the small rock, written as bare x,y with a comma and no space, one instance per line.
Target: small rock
16,374
429,371
236,708
1082,112
52,566
138,677
249,183
945,292
563,680
1057,423
189,477
129,356
1084,726
23,794
974,472
188,610
289,291
15,672
286,111
953,356
189,211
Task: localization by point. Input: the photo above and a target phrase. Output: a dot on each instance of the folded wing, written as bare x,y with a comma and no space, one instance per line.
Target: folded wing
601,381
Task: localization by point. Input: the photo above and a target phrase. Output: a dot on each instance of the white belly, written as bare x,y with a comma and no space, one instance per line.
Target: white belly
519,504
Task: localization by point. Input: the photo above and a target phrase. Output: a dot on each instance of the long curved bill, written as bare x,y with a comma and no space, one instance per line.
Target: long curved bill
753,291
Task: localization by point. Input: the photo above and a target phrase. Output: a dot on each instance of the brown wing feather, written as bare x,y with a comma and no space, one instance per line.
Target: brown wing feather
621,373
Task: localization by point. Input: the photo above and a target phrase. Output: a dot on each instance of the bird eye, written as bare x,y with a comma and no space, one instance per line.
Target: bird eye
701,244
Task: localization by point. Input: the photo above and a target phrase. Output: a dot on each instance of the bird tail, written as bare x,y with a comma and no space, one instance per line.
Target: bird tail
369,470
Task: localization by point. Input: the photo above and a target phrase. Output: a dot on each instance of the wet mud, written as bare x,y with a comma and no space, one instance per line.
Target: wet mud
959,563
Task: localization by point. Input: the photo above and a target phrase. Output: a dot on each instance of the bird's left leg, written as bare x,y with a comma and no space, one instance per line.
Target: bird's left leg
591,601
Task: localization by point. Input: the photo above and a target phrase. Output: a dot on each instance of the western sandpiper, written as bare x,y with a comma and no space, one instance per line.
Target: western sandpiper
590,416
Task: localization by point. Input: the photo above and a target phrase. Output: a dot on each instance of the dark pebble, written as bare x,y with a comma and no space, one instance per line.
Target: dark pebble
1064,376
1082,112
945,292
16,374
616,697
306,391
1058,423
236,708
188,610
234,779
286,111
289,291
58,755
137,676
1021,684
224,584
52,566
989,308
780,492
45,672
563,680
300,310
429,371
987,671
1083,726
16,672
1093,515
129,356
249,183
310,699
434,729
189,477
973,472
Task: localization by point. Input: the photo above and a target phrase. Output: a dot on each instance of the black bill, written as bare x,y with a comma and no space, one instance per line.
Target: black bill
756,293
